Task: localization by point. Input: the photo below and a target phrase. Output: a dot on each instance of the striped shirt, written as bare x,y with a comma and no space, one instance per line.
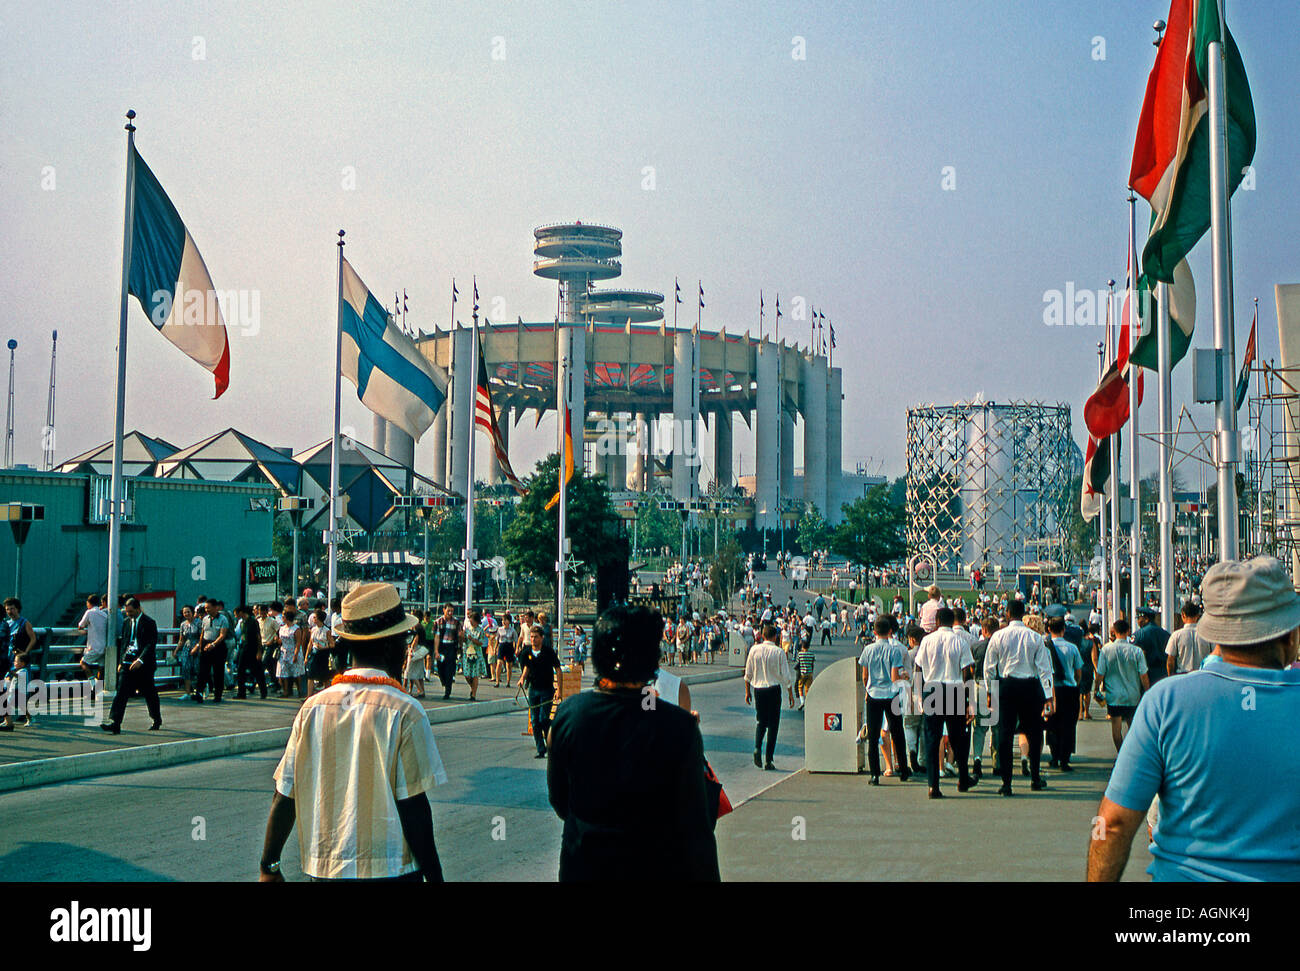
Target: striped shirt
354,751
805,660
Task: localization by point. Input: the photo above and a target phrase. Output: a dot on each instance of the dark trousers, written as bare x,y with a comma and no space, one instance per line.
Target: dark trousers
1020,701
212,671
250,669
883,708
767,709
540,703
131,682
958,738
1061,726
447,673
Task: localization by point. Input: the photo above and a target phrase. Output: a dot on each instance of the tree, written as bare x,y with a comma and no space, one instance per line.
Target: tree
596,534
872,532
814,531
726,570
657,528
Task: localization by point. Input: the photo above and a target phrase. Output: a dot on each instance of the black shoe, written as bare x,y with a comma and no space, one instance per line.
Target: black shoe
1038,785
874,781
540,755
904,775
770,767
197,697
966,785
111,728
1005,791
935,794
758,759
978,772
915,768
1051,763
155,726
1024,767
263,695
1066,767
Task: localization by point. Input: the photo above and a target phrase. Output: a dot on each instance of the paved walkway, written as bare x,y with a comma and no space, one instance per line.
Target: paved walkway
855,832
78,733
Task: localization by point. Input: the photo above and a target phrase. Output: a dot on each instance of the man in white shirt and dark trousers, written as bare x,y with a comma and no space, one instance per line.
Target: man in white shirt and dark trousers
1018,661
945,662
767,669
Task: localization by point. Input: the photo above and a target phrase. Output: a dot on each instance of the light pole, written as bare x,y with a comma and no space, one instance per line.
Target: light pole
295,506
21,515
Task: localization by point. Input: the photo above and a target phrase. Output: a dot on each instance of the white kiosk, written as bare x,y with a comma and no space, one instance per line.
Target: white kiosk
737,650
832,719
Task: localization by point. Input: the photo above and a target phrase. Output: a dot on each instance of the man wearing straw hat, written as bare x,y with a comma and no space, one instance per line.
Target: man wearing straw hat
1217,745
360,759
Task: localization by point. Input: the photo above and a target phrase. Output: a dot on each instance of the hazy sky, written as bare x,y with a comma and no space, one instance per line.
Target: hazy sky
440,134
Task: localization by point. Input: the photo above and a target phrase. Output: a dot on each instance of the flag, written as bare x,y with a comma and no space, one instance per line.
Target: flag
1096,476
832,337
1182,318
169,278
701,296
760,301
393,379
1171,154
778,305
566,467
1106,411
476,295
679,291
454,292
1243,380
485,417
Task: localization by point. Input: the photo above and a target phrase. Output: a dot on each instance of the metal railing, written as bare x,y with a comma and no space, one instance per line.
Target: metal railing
58,652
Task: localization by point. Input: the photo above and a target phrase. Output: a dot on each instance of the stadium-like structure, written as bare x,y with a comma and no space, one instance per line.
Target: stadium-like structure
641,419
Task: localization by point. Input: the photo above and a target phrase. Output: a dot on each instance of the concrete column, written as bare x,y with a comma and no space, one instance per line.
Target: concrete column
812,375
834,445
787,455
767,436
462,402
401,446
685,419
640,457
722,449
615,458
380,438
439,472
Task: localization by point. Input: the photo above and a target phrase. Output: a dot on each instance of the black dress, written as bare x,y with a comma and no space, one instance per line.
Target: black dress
628,781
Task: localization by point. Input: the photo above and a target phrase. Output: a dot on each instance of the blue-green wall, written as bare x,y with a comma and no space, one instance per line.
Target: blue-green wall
175,521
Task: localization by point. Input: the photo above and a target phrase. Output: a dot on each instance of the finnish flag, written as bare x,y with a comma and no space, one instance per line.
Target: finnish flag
393,379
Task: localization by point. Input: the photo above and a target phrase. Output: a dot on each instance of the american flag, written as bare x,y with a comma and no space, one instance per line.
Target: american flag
485,417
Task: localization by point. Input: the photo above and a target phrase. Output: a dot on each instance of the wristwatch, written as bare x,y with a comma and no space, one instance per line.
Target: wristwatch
270,869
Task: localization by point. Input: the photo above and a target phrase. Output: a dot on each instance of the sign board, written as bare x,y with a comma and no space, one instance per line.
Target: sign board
833,719
737,650
261,580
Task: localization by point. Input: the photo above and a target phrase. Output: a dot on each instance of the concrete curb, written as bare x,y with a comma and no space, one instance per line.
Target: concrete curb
42,772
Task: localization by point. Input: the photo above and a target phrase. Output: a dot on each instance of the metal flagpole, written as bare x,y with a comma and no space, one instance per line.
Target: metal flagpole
1101,517
119,416
333,574
561,564
1259,439
1165,511
1134,486
1227,440
1113,563
469,490
780,421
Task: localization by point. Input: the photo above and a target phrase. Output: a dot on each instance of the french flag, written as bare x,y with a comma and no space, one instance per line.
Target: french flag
171,281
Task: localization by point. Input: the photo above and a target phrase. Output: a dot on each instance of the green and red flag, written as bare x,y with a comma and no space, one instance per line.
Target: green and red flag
1243,379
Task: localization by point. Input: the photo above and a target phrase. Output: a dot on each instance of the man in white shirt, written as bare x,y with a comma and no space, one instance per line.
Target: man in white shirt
1017,660
1186,649
95,623
767,669
946,664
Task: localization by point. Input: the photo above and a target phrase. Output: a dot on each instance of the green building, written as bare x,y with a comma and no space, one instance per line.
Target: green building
183,536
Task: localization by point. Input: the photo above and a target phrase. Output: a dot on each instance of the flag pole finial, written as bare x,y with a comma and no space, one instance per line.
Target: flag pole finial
130,119
1159,28
342,233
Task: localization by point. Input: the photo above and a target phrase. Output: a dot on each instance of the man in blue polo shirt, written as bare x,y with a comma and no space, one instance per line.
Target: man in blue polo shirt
1217,745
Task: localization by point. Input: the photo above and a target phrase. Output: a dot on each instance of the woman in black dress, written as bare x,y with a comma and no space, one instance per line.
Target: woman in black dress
627,772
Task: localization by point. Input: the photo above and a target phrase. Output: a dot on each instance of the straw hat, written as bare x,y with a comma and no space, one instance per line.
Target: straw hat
371,611
1248,603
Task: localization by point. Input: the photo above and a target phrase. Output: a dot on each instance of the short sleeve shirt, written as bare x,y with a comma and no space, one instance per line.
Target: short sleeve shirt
878,660
1122,664
95,620
355,751
1190,739
942,655
212,627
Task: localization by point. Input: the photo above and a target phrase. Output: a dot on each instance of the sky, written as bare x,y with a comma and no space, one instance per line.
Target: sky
923,173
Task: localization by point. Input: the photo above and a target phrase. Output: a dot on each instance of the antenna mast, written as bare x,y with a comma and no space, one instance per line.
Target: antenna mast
47,439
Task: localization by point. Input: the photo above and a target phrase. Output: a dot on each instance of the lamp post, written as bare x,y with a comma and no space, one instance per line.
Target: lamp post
296,507
21,515
424,507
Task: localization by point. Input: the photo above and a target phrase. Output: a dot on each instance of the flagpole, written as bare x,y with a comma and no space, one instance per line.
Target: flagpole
1135,377
1165,513
1227,440
561,564
333,572
1111,349
1259,439
119,418
1101,517
469,490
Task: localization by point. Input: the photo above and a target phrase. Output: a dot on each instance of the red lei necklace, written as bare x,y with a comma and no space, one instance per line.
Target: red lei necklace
607,684
359,679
